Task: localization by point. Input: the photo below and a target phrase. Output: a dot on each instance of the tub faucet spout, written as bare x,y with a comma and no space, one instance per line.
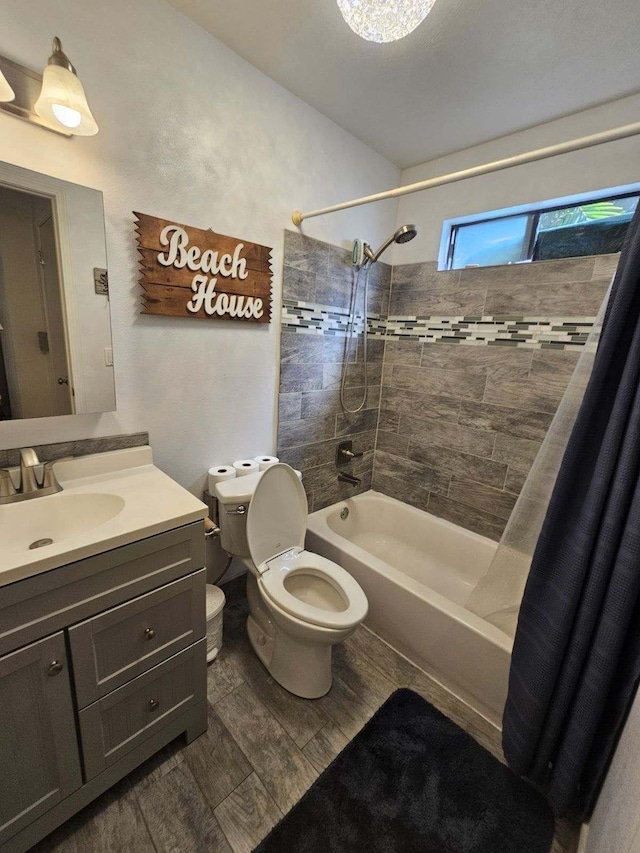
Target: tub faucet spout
343,477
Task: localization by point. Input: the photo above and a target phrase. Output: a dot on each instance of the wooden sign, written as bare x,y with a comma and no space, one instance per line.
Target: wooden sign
191,272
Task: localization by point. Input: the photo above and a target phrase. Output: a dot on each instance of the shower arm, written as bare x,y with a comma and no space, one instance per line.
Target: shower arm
373,257
518,160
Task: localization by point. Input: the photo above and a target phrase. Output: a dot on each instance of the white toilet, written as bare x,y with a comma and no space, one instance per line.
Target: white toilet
300,603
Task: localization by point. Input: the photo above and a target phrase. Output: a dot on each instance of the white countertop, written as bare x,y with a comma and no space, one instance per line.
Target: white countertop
151,503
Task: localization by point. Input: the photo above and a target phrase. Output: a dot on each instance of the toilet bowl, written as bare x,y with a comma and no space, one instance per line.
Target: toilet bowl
300,604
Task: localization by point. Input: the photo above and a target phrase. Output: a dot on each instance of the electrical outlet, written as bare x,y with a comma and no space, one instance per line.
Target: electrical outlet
108,357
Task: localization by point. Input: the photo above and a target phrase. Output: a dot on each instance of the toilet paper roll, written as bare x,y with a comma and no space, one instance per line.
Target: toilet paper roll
246,466
266,461
219,474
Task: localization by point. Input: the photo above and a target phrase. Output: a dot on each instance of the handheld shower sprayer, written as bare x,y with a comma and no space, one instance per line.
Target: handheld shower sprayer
363,258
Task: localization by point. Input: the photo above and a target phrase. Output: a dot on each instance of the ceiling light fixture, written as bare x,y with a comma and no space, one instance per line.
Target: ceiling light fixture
62,99
6,92
384,20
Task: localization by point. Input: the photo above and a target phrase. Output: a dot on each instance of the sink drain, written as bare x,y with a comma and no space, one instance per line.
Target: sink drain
40,543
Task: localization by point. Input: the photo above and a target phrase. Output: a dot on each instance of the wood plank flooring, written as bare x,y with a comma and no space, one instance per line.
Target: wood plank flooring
262,751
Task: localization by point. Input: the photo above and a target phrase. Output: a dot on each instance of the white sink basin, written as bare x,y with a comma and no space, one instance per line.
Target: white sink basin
108,500
41,522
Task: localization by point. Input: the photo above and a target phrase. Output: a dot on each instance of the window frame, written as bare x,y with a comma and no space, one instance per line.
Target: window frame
453,227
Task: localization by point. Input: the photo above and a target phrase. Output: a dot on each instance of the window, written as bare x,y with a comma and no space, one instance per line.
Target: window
594,227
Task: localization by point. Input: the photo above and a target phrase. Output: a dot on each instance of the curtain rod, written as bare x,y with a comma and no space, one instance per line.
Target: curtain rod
475,171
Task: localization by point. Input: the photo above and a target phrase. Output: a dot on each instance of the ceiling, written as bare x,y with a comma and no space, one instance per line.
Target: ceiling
474,70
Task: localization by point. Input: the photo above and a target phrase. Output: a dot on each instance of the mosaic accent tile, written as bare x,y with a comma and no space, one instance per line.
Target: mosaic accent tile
564,333
307,318
515,331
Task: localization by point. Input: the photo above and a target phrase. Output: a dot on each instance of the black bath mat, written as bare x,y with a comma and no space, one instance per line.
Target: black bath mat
413,782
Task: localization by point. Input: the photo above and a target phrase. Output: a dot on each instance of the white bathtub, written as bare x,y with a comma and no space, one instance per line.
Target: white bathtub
417,571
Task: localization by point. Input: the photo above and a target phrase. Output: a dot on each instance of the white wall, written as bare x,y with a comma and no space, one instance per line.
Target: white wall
189,132
605,166
615,825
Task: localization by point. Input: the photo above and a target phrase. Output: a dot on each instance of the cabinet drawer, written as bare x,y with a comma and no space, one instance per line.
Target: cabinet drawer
51,601
119,722
110,649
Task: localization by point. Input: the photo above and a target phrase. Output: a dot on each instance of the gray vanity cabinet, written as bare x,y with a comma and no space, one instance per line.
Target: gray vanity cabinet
102,663
40,758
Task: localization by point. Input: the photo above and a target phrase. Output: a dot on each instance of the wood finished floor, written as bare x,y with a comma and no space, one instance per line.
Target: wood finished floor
263,749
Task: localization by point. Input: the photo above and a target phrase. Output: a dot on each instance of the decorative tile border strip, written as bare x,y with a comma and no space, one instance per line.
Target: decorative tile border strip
504,330
312,319
516,331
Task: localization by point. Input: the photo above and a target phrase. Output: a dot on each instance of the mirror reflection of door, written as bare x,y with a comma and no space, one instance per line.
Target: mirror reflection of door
34,366
59,375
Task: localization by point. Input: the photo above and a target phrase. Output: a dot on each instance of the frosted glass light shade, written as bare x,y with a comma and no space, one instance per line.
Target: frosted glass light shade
384,20
6,92
63,101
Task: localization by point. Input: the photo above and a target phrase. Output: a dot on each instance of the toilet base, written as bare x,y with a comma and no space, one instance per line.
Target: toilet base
303,669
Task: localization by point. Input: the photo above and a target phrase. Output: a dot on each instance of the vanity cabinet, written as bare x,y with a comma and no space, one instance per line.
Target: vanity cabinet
40,754
102,663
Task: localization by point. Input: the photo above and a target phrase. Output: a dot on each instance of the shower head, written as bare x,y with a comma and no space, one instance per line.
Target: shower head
402,235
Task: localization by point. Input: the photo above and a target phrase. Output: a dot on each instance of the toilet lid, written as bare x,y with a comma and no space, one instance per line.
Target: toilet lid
277,516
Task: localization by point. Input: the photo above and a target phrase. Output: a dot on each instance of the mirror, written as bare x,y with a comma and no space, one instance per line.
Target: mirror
55,327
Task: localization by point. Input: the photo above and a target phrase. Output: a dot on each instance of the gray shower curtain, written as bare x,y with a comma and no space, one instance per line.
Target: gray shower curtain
576,657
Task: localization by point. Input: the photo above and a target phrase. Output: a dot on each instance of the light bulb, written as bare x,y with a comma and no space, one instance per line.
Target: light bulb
66,115
384,20
6,92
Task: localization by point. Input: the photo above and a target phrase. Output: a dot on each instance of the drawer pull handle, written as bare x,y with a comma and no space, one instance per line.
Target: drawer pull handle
153,705
55,667
149,633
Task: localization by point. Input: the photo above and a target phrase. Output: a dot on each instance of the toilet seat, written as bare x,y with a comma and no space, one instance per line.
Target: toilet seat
276,528
298,563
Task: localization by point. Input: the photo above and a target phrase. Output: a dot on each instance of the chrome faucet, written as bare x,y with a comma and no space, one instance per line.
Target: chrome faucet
343,477
28,463
29,486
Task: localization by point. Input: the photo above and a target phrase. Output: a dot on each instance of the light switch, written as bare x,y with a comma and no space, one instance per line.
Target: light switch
108,357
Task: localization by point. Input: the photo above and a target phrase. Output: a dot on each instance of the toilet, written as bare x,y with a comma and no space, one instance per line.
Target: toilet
300,603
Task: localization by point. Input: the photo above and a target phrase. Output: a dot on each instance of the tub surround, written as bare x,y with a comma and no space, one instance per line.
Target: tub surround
467,368
463,415
317,276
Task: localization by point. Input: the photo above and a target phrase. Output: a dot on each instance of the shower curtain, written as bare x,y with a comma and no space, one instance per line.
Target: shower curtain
576,657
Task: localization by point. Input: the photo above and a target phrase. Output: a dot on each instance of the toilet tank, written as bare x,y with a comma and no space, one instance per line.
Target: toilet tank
234,497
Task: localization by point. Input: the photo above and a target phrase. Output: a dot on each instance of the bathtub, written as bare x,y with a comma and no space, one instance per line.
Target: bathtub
418,571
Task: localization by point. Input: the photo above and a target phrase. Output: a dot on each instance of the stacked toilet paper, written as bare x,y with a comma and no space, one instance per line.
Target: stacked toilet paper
266,461
240,468
219,474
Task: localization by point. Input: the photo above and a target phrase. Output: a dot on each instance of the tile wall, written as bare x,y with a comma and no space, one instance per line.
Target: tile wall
466,371
316,292
463,412
78,447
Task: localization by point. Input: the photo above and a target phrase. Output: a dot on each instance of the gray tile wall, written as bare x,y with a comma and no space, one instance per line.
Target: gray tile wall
450,428
311,420
77,447
460,425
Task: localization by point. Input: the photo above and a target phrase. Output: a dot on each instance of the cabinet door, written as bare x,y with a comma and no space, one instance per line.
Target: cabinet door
39,757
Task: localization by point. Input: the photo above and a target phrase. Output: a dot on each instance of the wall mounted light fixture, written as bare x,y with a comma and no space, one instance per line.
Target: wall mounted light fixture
62,97
56,100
